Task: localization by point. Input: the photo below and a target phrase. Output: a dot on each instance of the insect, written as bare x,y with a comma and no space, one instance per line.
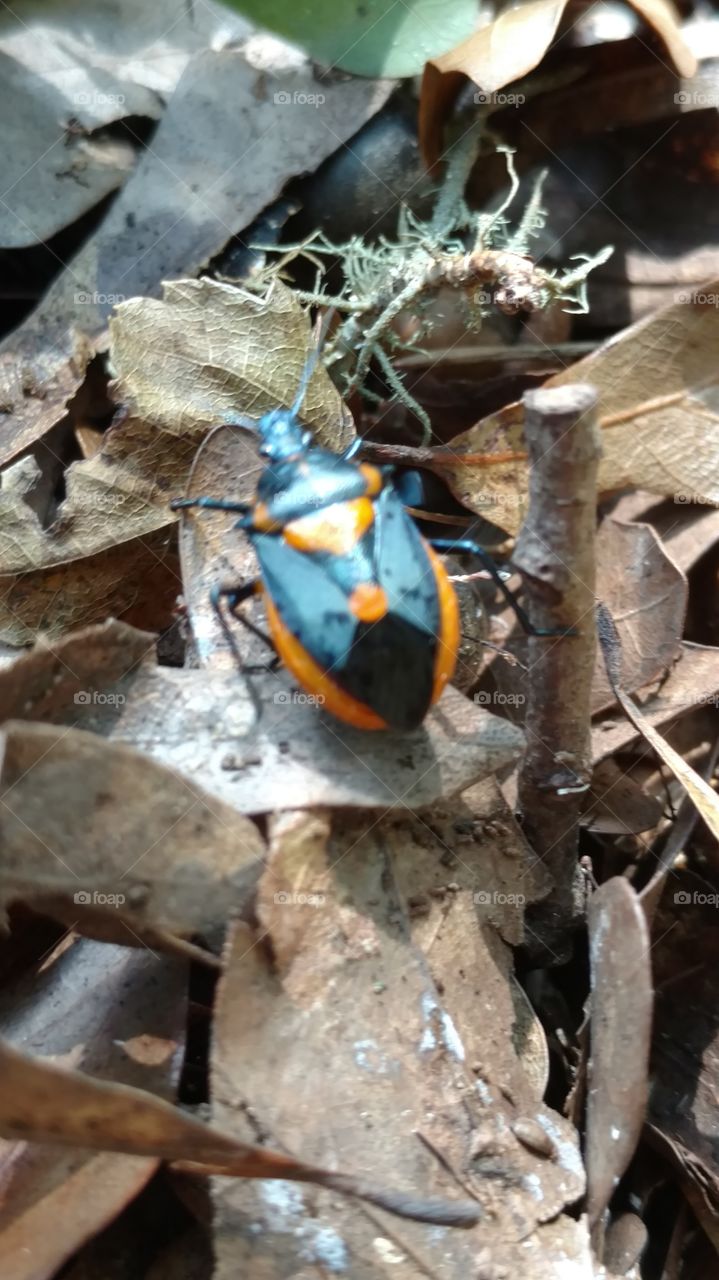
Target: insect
359,605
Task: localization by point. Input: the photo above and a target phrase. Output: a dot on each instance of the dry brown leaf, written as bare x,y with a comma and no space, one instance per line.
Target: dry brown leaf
685,1048
616,804
692,684
621,1019
96,1007
687,531
204,353
647,601
42,1102
49,680
95,832
164,223
350,995
63,93
705,799
209,351
202,723
508,48
659,413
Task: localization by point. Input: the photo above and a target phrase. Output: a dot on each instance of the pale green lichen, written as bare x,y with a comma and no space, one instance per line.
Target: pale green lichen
480,255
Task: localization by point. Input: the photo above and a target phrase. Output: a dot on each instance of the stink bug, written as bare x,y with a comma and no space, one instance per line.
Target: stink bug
359,605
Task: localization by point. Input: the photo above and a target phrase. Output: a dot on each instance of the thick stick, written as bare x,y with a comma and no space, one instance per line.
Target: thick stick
555,555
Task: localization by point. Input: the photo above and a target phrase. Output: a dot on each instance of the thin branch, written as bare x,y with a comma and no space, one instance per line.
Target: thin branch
555,554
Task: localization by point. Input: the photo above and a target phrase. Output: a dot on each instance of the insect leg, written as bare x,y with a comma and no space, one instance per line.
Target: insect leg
473,548
210,504
235,596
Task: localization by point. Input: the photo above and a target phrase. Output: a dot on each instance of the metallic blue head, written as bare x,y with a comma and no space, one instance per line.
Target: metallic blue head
282,435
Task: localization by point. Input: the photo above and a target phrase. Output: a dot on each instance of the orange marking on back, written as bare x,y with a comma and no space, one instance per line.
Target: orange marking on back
374,478
448,641
368,602
316,681
262,520
336,529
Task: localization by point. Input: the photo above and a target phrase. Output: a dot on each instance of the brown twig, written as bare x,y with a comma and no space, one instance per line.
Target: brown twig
555,554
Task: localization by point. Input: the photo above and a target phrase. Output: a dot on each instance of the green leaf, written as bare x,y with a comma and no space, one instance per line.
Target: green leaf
368,37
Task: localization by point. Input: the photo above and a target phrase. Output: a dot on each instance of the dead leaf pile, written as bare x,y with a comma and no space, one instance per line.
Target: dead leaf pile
279,997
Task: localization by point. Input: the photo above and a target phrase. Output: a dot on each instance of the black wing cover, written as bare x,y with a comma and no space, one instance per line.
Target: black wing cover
387,665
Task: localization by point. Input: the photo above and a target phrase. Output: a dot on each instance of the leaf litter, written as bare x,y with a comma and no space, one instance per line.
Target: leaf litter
389,1053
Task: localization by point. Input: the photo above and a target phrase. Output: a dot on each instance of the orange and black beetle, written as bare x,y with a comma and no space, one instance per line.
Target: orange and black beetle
359,605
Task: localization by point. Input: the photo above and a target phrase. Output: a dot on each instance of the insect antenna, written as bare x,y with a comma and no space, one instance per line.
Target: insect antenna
312,361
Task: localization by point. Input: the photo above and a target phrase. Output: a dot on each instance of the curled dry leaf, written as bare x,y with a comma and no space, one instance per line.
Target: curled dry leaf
94,831
658,398
350,994
621,1019
510,46
93,1007
163,224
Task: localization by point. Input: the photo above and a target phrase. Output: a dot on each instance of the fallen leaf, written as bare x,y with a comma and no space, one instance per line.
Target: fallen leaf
687,531
204,723
205,353
616,804
620,1030
208,352
647,601
187,197
692,684
96,1007
95,832
43,1102
509,47
705,799
348,991
49,679
685,1046
657,406
62,92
